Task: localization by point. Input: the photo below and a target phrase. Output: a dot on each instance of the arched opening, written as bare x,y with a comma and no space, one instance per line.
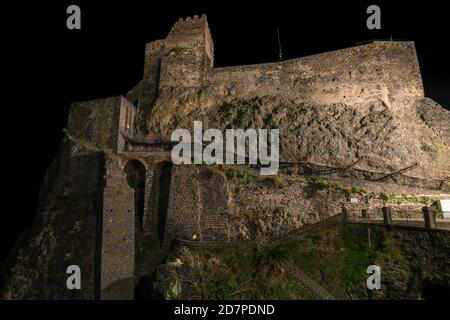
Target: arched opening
436,292
135,172
149,251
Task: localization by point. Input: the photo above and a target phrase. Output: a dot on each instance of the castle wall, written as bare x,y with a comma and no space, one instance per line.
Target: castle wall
118,228
150,81
184,205
214,196
182,59
198,205
95,121
127,121
149,221
205,205
184,31
379,70
98,122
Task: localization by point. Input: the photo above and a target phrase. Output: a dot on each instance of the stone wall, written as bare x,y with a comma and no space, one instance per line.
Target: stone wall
147,91
214,196
127,123
379,70
198,205
150,222
95,121
188,54
99,122
184,209
206,205
118,235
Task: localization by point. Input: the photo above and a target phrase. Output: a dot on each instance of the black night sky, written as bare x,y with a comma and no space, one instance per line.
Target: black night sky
48,66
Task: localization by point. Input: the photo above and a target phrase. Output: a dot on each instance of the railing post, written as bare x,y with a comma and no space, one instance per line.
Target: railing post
428,216
387,215
365,215
344,214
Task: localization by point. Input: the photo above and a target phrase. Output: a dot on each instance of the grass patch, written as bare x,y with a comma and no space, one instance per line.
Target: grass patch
276,181
319,183
404,198
242,176
359,190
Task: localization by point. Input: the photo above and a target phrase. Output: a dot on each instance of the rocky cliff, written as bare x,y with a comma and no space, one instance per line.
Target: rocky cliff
333,134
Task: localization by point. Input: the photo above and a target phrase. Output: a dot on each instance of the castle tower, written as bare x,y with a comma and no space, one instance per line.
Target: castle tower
188,53
179,61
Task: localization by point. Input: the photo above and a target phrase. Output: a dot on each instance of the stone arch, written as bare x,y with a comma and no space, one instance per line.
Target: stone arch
124,160
135,172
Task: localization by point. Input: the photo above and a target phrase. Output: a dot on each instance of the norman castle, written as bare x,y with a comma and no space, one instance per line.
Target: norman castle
356,114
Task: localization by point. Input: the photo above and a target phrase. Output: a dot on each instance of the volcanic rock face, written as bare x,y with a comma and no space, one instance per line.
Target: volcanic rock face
335,134
436,117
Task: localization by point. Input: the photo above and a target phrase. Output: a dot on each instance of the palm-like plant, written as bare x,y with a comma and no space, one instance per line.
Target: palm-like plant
272,261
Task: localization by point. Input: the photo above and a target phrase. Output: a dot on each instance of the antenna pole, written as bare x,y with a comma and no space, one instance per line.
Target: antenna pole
280,54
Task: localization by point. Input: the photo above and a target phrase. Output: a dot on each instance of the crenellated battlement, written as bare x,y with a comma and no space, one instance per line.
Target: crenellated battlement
195,17
189,23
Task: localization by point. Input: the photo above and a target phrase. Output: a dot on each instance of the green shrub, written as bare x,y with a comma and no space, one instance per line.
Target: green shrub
318,183
240,175
173,292
426,200
359,190
221,289
272,260
387,196
356,262
230,173
275,180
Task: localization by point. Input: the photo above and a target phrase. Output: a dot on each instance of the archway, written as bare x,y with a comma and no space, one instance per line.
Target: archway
149,251
136,173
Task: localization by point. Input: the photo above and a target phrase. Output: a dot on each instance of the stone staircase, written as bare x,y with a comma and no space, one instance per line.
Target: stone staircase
309,284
